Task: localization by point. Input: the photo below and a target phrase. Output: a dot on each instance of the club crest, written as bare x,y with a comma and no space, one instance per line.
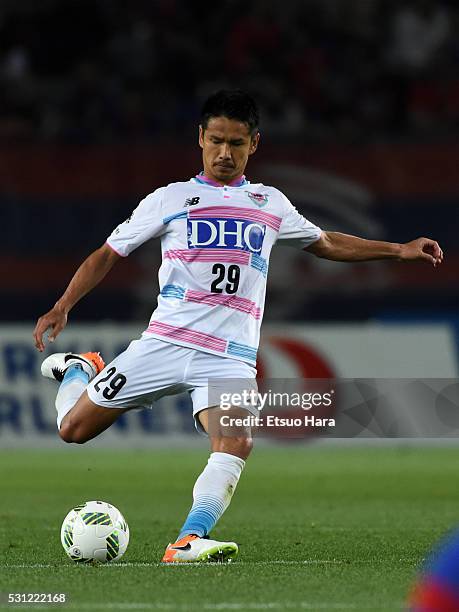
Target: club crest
260,199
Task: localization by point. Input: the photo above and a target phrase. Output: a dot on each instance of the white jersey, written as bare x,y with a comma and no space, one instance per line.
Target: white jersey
216,242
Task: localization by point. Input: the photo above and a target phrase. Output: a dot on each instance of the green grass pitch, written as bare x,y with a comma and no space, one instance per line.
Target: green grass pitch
318,528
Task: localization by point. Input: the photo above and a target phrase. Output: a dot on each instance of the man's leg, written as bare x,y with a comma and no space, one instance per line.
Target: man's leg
78,418
215,486
86,420
92,396
212,495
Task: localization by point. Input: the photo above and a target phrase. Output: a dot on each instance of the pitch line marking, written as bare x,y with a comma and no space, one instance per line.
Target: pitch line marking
415,560
293,605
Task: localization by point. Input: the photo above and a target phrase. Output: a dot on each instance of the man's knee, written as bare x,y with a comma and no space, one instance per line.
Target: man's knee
71,433
245,445
241,446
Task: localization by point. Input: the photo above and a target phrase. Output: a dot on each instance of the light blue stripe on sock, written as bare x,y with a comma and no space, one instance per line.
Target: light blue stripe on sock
75,372
202,517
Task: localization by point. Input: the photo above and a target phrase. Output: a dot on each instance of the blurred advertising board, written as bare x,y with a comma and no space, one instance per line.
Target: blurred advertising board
373,351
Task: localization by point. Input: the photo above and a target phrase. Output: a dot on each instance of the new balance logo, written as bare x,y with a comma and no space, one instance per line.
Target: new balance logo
191,202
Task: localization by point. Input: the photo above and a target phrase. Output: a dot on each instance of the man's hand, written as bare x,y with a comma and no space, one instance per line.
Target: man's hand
88,275
422,249
56,319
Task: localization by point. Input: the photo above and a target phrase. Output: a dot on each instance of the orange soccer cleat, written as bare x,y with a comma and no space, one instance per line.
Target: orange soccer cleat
192,549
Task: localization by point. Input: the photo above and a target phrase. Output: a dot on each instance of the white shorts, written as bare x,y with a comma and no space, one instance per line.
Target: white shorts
150,369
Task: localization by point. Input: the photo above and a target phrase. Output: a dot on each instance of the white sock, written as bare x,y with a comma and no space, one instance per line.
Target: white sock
74,383
212,493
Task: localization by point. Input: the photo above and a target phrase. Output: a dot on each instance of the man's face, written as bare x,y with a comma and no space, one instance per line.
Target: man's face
226,145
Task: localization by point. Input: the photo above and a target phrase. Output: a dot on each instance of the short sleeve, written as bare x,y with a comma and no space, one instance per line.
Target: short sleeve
145,222
295,230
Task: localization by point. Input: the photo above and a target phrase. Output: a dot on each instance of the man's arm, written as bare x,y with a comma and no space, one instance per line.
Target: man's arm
343,247
88,275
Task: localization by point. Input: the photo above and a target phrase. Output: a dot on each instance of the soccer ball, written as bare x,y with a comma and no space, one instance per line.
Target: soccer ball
94,532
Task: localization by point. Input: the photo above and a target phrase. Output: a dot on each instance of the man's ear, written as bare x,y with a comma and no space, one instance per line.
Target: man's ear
201,137
254,143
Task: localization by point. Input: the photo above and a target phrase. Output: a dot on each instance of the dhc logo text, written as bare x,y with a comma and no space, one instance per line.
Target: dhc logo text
226,233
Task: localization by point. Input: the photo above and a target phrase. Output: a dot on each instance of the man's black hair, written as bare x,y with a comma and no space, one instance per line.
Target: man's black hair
233,104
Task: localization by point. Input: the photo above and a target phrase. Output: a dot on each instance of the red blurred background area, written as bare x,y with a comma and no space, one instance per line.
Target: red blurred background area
359,128
59,202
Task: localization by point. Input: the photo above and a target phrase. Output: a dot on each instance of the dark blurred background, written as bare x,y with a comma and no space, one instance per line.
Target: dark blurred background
99,105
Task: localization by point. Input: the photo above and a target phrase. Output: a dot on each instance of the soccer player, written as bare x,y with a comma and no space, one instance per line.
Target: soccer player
217,231
437,587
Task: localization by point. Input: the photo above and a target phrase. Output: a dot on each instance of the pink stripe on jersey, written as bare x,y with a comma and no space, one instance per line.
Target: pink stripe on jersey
233,212
230,301
113,249
223,255
187,335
